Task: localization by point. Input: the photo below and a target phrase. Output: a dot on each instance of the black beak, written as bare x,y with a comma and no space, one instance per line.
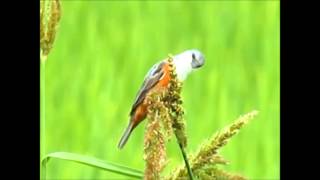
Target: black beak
197,63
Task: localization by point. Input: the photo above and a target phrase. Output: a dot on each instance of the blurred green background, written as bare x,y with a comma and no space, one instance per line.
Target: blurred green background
103,50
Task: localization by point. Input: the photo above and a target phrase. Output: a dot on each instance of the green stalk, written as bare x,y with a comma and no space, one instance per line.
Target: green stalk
185,159
42,114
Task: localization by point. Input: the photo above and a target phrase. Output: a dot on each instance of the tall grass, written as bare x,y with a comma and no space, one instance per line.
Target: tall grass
103,50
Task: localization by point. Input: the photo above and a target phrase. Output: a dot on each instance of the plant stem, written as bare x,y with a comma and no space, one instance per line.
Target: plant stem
42,111
185,158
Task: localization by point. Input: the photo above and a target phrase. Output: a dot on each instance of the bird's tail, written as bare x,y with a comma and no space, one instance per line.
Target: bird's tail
125,135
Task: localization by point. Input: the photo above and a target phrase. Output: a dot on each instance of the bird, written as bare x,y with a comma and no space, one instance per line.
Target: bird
158,77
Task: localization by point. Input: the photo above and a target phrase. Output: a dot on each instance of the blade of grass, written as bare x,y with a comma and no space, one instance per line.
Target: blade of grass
93,162
44,169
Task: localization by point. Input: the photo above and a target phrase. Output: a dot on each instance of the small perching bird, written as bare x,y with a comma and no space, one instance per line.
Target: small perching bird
157,78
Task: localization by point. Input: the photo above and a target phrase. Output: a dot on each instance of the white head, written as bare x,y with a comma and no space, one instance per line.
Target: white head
186,61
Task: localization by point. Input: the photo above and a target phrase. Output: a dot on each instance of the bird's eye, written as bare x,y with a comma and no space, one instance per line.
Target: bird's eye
193,56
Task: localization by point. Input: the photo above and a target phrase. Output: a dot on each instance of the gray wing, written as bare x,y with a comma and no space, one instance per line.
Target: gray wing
150,80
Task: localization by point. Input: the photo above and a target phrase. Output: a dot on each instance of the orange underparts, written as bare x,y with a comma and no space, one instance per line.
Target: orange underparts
141,111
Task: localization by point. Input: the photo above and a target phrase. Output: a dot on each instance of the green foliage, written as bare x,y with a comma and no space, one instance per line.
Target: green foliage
204,161
102,51
93,162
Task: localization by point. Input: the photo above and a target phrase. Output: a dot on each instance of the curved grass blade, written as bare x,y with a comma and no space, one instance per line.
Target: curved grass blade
93,162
